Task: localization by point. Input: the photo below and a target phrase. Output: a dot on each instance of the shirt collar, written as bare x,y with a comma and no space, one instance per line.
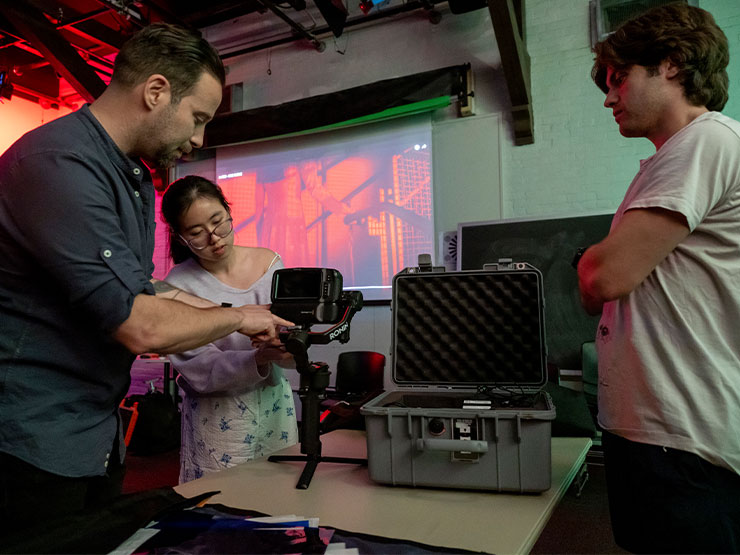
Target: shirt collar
133,167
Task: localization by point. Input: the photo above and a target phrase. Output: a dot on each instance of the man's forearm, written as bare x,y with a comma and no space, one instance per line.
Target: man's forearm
160,325
166,291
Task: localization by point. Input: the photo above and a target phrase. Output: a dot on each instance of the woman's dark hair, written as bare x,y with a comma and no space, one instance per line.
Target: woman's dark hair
180,54
178,197
686,35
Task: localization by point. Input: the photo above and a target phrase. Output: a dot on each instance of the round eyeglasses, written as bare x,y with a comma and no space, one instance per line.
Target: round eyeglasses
201,239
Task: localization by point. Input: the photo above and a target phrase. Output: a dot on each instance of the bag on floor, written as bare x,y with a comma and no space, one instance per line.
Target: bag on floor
157,428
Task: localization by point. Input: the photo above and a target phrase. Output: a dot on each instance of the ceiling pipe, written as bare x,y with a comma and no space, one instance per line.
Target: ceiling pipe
102,65
361,20
297,27
128,10
24,92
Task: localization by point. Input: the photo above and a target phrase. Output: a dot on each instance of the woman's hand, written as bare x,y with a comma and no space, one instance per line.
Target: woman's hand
267,353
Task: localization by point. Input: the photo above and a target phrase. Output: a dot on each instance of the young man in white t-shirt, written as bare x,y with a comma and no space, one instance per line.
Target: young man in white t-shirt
666,281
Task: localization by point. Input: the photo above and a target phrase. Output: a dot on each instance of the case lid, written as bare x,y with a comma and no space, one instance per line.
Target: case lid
469,328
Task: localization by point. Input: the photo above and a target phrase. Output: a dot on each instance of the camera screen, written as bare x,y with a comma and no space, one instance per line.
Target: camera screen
298,285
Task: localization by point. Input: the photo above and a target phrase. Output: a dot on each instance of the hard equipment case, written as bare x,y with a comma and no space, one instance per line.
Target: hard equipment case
468,364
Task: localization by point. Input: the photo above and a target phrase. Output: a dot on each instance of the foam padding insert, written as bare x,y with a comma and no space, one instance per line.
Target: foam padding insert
469,328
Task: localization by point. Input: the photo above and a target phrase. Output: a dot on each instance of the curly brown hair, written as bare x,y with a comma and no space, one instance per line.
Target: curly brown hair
687,36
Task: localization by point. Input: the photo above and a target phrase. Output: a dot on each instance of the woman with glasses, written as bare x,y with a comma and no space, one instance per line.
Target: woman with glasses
238,405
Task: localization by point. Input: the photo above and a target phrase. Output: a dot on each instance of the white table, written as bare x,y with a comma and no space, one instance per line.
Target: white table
343,496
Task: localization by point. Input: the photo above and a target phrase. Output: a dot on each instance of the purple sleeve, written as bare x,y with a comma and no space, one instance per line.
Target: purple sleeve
208,369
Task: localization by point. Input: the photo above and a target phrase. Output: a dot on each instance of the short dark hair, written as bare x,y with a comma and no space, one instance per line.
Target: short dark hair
177,199
180,54
686,35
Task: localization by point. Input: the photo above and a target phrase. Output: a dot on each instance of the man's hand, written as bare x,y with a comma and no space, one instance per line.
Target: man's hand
260,324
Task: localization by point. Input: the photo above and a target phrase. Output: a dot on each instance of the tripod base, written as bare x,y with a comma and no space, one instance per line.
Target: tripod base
312,462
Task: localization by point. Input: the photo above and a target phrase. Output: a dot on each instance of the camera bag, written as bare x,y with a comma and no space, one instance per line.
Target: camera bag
467,408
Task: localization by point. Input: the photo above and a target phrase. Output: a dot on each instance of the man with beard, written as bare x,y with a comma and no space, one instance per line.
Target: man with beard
77,298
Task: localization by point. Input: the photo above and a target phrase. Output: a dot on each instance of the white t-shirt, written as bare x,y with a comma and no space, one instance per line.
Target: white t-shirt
669,353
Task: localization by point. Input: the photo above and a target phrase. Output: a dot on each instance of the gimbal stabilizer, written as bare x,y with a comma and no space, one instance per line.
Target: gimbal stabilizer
314,375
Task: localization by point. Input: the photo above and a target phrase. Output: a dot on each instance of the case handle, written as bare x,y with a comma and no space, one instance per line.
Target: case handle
468,445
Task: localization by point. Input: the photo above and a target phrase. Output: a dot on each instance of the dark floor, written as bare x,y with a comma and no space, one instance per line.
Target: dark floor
151,471
580,524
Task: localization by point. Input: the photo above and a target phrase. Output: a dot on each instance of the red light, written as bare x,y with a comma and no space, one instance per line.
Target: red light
366,6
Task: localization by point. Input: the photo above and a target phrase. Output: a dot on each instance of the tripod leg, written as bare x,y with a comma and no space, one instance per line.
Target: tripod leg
310,422
305,480
344,460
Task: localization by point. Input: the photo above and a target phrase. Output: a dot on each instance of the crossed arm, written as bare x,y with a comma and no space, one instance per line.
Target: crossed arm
614,267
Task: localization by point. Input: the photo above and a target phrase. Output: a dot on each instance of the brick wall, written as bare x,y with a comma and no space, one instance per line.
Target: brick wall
579,163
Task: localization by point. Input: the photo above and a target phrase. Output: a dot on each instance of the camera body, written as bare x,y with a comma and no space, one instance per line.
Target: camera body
308,296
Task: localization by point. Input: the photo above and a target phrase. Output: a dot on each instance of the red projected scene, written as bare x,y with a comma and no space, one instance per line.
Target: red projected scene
356,200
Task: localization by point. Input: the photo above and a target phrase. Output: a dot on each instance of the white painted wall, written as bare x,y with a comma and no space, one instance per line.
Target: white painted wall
578,163
395,47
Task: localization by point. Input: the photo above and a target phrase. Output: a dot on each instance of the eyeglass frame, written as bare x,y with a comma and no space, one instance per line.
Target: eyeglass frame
210,234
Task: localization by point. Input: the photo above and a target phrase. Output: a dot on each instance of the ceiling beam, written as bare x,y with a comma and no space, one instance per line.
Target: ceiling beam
95,32
84,24
165,14
218,12
39,31
507,17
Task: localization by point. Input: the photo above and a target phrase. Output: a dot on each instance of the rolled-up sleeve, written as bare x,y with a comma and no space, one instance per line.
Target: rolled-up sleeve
78,226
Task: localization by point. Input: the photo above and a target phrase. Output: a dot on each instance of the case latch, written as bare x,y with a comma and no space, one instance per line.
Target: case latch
505,264
425,265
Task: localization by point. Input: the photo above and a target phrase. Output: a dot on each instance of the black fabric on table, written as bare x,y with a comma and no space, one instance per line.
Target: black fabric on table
100,530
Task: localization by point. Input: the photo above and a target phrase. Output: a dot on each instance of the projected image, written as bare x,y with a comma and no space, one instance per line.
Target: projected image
357,200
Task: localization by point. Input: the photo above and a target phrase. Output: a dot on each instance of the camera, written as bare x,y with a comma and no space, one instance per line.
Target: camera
308,296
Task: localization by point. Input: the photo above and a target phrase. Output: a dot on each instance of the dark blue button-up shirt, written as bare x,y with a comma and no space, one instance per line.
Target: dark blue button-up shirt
76,244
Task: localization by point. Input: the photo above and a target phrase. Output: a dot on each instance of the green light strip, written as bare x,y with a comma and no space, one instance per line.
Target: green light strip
391,113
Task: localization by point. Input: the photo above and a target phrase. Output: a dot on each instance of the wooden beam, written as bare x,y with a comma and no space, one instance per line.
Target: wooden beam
42,35
85,24
507,17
